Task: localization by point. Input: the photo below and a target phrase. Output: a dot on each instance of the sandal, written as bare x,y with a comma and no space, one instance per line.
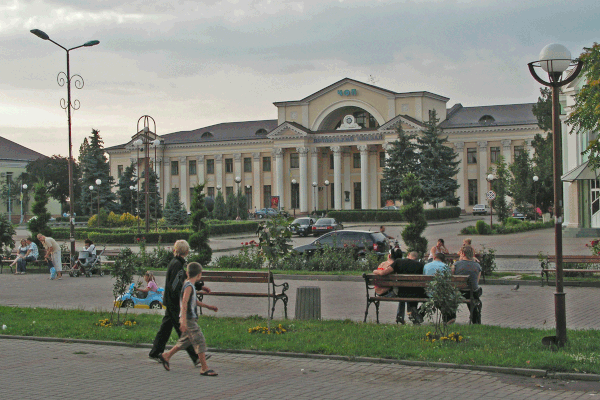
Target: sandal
164,362
210,372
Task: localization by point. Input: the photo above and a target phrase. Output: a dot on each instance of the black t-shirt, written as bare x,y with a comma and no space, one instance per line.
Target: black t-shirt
174,282
407,266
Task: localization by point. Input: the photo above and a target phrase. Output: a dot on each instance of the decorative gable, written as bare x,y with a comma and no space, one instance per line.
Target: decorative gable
288,130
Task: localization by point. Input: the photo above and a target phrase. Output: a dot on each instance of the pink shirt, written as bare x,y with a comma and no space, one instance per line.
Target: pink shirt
152,286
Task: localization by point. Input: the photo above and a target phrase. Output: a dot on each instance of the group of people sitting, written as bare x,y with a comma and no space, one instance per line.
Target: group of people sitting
27,252
466,265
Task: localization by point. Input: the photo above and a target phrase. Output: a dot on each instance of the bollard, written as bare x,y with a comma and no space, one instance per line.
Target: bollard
308,302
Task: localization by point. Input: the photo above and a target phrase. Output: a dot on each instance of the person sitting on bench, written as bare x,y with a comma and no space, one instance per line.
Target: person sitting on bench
32,254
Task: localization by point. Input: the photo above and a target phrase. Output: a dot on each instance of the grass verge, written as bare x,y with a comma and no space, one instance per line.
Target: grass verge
482,345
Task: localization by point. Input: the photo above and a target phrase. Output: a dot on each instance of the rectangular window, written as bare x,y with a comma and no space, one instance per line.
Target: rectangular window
519,150
267,165
471,155
382,159
494,154
267,195
247,164
210,166
294,160
174,167
229,165
210,192
472,192
356,160
228,191
330,160
192,167
119,171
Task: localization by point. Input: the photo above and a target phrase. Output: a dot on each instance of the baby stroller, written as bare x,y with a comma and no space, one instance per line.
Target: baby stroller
87,264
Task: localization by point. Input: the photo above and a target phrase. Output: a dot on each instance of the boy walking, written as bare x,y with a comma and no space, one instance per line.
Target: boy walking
188,319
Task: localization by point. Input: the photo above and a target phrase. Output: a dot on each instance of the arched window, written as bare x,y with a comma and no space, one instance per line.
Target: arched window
261,132
487,120
207,134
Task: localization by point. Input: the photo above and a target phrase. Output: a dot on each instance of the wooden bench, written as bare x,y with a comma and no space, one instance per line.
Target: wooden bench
39,263
408,281
590,260
247,277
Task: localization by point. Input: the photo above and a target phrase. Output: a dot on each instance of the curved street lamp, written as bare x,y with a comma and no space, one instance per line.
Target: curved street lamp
555,60
63,78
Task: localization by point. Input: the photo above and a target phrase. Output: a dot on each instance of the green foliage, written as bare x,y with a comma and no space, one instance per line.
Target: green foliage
543,168
512,227
127,197
7,231
482,228
487,260
412,209
250,257
444,299
585,117
275,241
219,212
54,172
391,215
500,185
174,212
39,222
199,238
332,259
231,206
242,205
438,167
543,109
126,265
521,182
402,160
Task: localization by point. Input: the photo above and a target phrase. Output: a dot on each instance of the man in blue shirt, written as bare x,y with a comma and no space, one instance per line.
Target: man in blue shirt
436,265
31,255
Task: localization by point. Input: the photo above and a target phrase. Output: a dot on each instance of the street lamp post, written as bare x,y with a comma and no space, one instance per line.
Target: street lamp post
145,143
131,188
248,198
294,181
490,179
91,187
327,197
238,180
98,183
535,179
63,78
555,60
155,144
314,185
23,187
138,143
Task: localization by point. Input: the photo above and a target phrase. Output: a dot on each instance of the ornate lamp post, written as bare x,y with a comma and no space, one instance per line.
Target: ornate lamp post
535,179
327,197
98,183
131,188
490,178
91,187
138,143
314,185
23,187
155,144
294,182
238,180
248,198
555,60
63,78
145,142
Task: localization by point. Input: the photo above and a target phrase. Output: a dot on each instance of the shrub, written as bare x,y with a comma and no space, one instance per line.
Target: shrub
488,260
390,215
444,300
249,258
7,231
199,238
482,228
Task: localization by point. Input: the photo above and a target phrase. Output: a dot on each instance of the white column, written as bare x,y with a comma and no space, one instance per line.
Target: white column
460,178
279,172
256,186
219,173
200,170
364,176
314,170
373,181
529,148
237,170
167,178
483,171
506,153
304,185
337,176
347,186
183,182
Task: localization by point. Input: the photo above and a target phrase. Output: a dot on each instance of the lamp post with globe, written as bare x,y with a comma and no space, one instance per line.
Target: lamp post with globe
535,179
98,183
326,197
490,178
91,187
555,60
314,185
23,187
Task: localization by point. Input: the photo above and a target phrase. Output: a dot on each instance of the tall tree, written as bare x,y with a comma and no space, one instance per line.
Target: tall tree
543,109
231,206
542,160
94,165
153,196
39,222
127,197
437,167
174,212
521,183
586,112
413,212
219,210
500,186
242,205
7,231
199,238
402,160
54,171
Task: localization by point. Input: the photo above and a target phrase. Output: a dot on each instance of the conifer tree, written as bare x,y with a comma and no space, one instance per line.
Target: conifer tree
94,165
174,212
153,197
413,212
437,167
219,211
39,222
127,197
500,187
231,206
402,160
199,238
521,183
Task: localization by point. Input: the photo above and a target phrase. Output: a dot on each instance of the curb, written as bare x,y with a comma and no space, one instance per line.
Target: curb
540,373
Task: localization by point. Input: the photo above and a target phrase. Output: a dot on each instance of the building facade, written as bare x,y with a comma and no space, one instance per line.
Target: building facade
328,150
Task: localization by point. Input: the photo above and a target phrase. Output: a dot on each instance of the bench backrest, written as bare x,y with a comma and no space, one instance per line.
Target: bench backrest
237,276
419,281
575,259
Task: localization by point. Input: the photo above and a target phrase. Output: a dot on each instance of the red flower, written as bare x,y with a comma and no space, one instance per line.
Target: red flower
246,244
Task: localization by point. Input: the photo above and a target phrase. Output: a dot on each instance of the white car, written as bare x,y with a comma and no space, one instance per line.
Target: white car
481,209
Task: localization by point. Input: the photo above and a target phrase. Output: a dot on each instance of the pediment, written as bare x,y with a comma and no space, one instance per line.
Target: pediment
288,130
407,123
145,136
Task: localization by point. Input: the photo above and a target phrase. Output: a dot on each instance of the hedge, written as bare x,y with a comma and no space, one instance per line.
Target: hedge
391,215
77,219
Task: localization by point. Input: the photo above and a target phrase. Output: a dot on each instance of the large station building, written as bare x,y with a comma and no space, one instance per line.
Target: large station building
338,135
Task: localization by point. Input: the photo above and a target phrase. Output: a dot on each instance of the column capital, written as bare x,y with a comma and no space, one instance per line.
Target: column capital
363,148
336,149
182,159
132,160
278,152
219,157
158,160
506,143
237,156
256,156
459,145
482,145
387,146
314,151
200,158
529,142
303,151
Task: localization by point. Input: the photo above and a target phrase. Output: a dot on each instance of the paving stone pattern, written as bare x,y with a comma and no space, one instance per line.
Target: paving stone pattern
51,370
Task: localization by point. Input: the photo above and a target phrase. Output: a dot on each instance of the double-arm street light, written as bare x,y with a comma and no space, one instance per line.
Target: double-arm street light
555,60
63,78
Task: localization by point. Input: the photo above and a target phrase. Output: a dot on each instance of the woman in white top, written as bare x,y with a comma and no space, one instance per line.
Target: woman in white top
440,247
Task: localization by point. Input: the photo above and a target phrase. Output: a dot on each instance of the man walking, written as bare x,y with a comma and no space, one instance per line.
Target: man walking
53,254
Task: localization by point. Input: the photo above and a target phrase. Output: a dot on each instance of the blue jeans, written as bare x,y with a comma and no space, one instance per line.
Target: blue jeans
401,304
22,263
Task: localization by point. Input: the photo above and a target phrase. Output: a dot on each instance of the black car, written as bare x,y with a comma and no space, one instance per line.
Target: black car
302,226
360,240
324,225
518,215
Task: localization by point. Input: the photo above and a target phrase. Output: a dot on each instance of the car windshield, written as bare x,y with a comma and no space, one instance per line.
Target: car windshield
301,221
378,237
325,221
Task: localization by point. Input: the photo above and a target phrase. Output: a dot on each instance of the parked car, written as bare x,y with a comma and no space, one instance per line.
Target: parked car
481,209
265,213
359,240
324,225
390,208
130,299
302,226
518,215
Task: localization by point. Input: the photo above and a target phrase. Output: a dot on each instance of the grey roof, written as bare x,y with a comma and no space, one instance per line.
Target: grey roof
220,132
503,115
12,151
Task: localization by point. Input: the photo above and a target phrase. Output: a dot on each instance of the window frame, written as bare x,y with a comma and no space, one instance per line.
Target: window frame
194,170
210,166
229,165
471,155
174,168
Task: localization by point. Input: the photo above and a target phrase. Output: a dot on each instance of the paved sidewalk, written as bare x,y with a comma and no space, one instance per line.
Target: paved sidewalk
49,370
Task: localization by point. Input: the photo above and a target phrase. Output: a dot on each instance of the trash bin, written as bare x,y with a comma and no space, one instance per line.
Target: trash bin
308,302
546,217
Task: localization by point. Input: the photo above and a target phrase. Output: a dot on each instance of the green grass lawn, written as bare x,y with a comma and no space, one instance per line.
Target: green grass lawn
482,345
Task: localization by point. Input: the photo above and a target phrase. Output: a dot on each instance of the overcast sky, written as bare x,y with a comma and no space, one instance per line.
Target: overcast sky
191,64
